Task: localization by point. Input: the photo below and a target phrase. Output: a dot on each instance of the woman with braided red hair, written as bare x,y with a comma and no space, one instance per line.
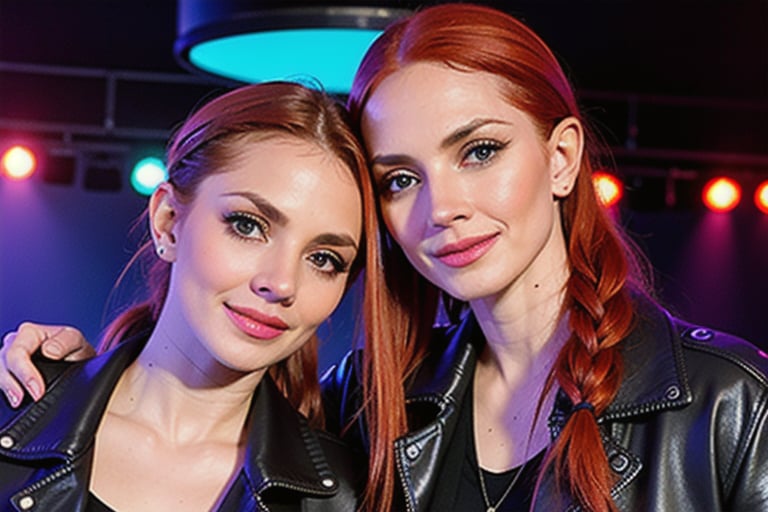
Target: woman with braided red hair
556,382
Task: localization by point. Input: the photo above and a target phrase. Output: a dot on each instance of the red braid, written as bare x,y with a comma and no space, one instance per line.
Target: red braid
589,366
471,38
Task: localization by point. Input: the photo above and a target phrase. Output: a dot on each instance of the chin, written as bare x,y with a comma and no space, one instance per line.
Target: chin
470,286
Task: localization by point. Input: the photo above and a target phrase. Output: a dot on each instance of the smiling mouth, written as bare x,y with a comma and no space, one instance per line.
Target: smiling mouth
256,324
466,251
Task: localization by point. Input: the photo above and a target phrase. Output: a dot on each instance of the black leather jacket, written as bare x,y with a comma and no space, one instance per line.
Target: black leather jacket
46,448
688,430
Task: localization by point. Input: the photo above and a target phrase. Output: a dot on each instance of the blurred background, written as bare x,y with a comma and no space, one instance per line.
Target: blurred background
679,90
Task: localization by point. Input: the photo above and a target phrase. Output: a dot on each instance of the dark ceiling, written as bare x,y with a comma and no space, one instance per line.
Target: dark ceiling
670,83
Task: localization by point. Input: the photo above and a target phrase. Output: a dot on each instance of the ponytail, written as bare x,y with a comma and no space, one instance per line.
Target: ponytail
140,317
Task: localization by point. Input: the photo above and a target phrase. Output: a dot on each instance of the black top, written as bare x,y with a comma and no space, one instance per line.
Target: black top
96,505
683,385
288,465
458,485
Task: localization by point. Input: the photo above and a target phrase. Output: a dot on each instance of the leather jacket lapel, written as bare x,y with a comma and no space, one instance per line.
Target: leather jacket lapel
63,426
282,450
433,398
436,392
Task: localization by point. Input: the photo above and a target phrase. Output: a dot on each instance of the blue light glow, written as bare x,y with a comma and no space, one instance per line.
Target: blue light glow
329,56
147,174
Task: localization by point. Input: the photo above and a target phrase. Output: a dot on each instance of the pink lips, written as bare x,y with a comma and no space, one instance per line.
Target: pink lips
466,251
256,324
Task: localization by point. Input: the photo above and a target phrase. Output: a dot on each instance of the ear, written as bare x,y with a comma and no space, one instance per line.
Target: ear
566,146
163,220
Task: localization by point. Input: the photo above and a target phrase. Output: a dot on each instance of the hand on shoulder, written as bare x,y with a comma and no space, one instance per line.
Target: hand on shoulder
17,372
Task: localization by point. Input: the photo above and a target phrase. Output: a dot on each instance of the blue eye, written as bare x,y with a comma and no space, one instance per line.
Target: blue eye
398,182
328,262
481,152
246,225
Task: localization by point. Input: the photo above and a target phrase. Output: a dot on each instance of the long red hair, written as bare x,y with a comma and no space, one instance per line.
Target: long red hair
472,38
205,144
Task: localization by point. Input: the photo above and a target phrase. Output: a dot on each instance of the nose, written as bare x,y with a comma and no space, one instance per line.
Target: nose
448,200
276,283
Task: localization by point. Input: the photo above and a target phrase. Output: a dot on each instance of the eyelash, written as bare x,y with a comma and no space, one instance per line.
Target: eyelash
389,179
487,144
235,219
339,266
385,187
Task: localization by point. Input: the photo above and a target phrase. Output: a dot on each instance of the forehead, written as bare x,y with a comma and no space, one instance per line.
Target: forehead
278,161
296,175
429,98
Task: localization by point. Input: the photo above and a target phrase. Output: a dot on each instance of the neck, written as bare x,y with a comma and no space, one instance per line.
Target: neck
525,325
525,329
511,406
183,399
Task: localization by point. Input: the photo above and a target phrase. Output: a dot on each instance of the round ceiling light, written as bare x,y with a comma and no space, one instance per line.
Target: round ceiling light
237,44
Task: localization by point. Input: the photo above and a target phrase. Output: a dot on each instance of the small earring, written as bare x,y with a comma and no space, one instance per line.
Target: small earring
160,250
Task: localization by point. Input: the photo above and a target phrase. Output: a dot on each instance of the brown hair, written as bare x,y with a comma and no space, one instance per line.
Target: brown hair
205,144
472,38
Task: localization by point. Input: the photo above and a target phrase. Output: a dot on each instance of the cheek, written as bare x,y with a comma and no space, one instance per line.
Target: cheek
320,302
520,191
514,194
211,259
399,220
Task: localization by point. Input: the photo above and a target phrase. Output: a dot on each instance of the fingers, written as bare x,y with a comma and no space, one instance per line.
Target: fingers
17,372
66,343
8,383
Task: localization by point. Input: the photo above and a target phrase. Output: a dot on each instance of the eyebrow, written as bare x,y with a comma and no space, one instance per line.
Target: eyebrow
276,216
335,240
460,133
267,208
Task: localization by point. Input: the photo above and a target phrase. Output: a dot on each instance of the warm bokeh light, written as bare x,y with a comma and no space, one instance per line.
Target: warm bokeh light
761,197
721,194
19,162
609,188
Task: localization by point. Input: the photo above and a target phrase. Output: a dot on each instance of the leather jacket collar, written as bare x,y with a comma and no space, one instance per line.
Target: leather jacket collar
282,450
686,431
650,355
653,381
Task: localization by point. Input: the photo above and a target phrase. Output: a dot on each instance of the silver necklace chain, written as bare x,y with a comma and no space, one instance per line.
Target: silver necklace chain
486,499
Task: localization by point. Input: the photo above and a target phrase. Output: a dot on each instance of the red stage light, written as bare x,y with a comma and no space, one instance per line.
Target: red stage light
19,162
721,194
761,197
609,188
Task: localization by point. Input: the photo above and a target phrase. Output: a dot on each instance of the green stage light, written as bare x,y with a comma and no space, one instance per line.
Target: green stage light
147,174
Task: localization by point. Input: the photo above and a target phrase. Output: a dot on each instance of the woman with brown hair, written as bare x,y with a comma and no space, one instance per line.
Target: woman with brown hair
205,396
556,382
